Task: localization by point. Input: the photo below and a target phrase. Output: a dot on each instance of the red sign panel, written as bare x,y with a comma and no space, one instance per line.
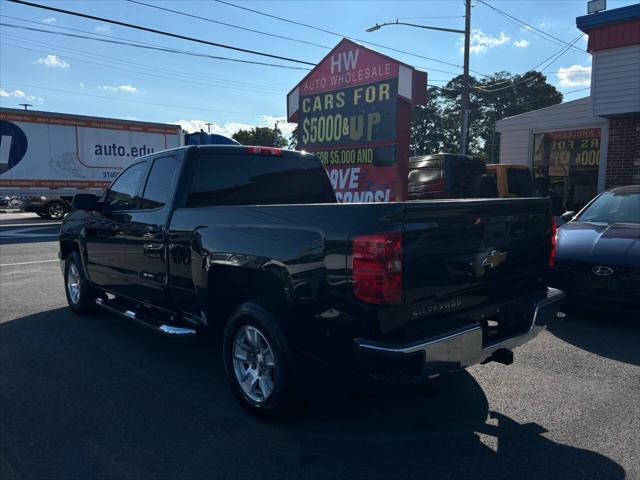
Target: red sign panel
574,134
347,66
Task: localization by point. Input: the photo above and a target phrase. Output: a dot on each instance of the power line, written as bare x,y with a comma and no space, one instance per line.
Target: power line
313,27
548,61
574,91
185,107
415,18
136,43
139,65
177,12
429,69
216,81
153,73
151,47
160,32
530,28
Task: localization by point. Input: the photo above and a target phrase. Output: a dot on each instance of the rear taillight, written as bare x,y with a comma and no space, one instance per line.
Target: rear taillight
273,151
552,251
377,267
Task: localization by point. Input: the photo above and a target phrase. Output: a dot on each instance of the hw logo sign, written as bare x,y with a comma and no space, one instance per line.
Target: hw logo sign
344,61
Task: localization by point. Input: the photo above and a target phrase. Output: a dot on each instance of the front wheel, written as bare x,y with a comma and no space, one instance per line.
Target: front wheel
55,210
80,296
258,361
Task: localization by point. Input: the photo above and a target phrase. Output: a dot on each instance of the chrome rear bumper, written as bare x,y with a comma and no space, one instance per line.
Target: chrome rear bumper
458,349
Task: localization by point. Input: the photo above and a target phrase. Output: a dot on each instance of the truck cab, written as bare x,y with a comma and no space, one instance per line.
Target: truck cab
512,180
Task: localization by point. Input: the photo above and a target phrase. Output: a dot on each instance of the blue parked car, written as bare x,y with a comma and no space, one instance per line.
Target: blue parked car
598,251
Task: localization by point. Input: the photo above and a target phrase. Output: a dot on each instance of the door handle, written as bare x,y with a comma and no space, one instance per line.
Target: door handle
153,250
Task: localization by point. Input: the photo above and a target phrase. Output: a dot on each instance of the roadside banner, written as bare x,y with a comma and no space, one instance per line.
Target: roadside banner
353,111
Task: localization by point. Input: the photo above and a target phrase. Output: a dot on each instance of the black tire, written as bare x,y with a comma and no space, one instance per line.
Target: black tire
55,210
84,303
255,315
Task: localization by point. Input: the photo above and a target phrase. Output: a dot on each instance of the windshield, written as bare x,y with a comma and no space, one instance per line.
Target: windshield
612,207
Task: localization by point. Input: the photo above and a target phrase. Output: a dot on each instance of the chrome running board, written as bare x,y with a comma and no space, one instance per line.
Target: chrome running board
170,330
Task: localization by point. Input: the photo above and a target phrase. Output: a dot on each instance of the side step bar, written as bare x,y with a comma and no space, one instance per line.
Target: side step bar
170,330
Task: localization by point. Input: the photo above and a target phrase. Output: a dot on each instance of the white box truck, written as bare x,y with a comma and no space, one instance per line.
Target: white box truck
46,157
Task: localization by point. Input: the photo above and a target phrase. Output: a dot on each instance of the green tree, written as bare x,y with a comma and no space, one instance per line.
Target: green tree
259,136
435,126
503,95
293,139
428,131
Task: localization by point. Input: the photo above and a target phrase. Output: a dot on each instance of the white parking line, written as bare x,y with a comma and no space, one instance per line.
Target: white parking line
40,224
22,233
27,263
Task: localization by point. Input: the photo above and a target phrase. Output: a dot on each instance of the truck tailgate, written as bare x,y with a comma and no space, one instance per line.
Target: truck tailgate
459,254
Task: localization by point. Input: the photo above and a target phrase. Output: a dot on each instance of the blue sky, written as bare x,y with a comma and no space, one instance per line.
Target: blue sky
73,75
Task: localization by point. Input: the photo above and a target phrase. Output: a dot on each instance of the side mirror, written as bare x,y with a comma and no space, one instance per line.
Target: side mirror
567,216
85,201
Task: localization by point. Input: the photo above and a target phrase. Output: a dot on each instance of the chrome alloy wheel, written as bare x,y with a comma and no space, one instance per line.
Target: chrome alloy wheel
254,364
73,283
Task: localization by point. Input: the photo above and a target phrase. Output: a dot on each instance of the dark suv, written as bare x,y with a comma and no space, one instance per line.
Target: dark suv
449,175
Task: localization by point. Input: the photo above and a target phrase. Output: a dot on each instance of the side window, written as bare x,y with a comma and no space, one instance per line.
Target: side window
121,194
157,189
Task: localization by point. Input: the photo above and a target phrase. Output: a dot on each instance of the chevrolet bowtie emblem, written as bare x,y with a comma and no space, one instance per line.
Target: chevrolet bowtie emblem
494,258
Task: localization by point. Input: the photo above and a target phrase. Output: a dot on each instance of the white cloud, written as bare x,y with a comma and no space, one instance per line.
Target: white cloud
228,129
481,42
53,61
127,88
20,94
82,84
15,93
522,43
103,28
49,20
119,88
574,76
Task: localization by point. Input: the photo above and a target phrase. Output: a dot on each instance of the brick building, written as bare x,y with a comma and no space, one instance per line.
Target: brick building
579,148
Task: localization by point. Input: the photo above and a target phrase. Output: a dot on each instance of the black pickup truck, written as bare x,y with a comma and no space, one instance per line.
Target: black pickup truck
250,243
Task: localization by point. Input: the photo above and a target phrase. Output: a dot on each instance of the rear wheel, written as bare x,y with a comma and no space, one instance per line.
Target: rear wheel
55,210
258,361
81,296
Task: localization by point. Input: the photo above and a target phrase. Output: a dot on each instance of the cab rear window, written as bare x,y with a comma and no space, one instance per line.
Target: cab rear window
221,179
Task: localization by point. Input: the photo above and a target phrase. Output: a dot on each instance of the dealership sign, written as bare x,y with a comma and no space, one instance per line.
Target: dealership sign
354,110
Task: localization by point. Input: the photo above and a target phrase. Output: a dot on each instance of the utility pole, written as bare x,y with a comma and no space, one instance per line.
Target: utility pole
464,133
25,105
464,130
208,127
275,135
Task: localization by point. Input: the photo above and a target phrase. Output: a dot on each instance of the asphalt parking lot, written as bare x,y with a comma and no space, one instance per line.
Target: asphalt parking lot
99,397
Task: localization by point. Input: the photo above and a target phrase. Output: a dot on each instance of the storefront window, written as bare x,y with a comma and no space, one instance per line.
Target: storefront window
565,167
